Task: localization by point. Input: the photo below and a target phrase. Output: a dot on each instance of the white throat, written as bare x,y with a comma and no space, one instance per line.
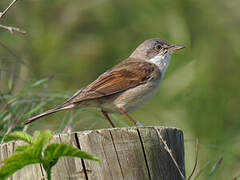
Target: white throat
162,61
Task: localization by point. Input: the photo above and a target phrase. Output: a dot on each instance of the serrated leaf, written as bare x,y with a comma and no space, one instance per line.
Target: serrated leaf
19,135
22,148
17,161
54,151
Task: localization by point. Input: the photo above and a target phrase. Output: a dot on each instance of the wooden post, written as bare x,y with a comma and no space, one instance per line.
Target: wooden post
132,153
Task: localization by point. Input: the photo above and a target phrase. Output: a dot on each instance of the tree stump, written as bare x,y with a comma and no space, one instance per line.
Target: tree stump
132,153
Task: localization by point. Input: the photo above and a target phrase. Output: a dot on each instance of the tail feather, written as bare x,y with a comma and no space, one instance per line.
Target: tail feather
51,111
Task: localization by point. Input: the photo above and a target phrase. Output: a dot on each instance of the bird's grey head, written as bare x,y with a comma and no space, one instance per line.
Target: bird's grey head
157,51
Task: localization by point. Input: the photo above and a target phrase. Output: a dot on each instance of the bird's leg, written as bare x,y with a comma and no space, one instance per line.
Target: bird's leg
108,118
129,117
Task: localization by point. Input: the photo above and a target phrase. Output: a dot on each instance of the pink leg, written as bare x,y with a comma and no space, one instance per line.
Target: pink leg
108,118
129,117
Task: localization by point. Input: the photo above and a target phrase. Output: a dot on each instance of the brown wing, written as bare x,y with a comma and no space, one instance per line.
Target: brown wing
128,74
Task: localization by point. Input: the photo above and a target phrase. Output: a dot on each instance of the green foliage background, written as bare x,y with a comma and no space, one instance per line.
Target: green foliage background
75,41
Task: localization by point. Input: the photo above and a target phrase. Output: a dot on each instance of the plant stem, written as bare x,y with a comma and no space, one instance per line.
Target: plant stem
49,174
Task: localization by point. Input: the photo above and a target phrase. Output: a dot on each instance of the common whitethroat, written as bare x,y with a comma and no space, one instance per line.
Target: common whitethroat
127,86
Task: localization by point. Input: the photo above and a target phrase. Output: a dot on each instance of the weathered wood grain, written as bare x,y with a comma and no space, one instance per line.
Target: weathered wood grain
133,153
99,143
160,164
67,167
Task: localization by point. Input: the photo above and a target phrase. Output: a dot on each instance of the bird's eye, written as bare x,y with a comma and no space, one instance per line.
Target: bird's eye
158,47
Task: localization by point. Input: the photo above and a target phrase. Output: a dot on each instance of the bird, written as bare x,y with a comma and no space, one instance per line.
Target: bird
126,86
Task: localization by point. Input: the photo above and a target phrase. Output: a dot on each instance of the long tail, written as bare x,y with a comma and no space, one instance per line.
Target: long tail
51,111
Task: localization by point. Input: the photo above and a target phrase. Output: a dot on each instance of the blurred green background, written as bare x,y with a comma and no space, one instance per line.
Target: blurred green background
75,41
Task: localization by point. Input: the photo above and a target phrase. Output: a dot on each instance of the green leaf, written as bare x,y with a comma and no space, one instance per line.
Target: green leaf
26,154
19,135
22,148
17,161
54,151
42,140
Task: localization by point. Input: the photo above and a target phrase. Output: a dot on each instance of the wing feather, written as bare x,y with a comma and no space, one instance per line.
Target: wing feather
128,74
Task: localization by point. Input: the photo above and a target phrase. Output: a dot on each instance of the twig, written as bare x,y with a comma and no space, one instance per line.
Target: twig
4,12
12,29
170,153
196,160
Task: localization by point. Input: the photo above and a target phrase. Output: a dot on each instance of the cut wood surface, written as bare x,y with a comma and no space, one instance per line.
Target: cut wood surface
131,153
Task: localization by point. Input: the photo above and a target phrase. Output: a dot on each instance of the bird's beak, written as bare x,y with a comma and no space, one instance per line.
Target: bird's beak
176,47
